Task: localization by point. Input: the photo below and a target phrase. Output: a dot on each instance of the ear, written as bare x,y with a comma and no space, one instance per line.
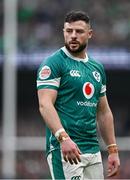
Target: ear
90,33
63,32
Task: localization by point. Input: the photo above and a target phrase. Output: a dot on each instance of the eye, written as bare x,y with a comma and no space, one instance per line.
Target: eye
69,30
80,31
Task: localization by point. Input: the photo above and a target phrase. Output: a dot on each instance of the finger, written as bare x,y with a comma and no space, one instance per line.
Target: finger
73,158
112,172
77,153
65,157
79,150
75,161
77,156
70,160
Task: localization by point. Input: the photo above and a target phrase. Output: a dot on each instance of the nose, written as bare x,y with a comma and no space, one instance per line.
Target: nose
73,35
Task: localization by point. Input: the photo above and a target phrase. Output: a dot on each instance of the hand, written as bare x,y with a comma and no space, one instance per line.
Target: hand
70,151
113,164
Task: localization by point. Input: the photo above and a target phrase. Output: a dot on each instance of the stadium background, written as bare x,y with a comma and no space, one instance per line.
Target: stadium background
40,24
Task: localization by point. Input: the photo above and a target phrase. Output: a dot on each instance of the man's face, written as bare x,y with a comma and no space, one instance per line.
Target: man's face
76,35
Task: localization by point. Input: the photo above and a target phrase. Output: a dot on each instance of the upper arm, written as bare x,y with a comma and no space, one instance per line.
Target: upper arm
47,96
48,80
103,106
49,74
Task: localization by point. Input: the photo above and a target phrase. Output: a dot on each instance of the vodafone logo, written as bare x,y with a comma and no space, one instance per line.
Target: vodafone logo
45,72
88,90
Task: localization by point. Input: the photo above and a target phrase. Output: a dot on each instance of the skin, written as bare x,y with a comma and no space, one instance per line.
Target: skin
76,36
106,127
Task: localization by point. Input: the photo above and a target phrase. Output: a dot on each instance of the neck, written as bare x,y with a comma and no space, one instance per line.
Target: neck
76,56
81,55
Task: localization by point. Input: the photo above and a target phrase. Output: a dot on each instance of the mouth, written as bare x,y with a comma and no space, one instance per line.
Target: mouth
74,42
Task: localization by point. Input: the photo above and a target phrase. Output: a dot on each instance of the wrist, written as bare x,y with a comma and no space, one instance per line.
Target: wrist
57,133
112,148
61,135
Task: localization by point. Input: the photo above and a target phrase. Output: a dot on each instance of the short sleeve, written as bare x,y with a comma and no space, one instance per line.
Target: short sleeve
103,86
49,74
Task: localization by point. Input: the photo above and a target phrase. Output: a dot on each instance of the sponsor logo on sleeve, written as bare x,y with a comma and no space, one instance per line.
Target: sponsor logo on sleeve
45,72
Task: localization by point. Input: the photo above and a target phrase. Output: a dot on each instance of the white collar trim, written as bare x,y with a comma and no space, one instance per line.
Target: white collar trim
74,58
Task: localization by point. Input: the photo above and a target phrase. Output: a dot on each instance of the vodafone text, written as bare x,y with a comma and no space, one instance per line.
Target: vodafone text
86,103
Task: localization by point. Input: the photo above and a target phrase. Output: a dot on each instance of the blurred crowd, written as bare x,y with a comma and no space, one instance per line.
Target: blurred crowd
40,22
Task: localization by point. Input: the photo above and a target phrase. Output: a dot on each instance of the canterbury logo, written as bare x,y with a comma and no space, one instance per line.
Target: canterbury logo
76,178
75,73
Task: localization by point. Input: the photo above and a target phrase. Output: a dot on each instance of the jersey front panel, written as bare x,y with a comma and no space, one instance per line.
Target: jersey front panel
79,87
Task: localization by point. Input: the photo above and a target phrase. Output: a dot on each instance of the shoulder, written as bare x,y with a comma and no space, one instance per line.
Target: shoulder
96,64
54,60
57,57
52,64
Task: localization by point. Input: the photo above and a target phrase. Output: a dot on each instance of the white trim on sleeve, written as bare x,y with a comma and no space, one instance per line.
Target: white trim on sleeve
53,82
103,89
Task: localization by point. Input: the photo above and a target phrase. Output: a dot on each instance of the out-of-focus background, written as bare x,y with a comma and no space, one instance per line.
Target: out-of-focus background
30,30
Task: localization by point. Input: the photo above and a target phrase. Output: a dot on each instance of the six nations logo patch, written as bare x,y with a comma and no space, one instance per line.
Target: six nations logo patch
45,72
88,90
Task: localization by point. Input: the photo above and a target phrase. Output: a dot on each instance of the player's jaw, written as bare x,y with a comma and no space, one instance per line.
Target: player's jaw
75,46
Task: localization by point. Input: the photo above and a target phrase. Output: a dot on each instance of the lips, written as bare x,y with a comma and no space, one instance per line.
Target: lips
74,43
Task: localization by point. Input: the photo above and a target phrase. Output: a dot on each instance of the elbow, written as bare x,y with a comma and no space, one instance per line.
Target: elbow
42,107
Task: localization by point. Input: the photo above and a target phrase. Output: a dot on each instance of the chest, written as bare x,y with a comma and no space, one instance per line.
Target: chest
75,75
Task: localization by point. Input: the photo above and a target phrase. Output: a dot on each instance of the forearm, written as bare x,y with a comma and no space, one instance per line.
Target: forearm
108,134
50,117
69,149
106,127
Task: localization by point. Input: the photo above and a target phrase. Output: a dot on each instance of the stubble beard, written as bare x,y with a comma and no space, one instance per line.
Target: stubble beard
75,51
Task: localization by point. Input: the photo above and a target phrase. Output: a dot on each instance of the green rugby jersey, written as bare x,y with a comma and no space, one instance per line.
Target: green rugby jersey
80,83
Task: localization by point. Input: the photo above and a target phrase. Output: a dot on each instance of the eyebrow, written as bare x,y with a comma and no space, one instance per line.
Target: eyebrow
77,29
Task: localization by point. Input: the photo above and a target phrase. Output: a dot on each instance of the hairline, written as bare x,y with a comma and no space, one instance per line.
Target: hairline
88,24
74,16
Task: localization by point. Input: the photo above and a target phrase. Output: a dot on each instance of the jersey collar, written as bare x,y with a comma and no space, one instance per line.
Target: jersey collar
72,57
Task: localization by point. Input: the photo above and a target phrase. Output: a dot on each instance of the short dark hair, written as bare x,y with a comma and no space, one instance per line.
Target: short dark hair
73,16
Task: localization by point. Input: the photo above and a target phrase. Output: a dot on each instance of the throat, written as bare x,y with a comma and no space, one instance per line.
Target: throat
79,55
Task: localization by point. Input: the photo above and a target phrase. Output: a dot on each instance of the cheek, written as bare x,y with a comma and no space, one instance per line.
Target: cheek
84,38
66,38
